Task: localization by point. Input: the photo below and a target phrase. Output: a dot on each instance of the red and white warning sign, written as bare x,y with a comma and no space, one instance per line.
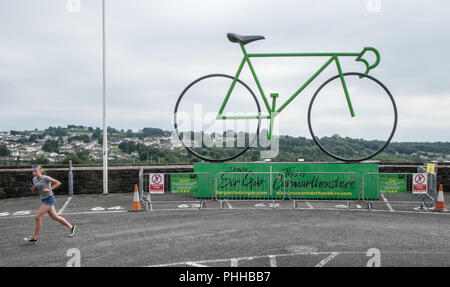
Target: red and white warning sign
419,183
157,183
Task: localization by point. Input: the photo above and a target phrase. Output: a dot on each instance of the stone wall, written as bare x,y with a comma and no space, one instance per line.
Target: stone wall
14,181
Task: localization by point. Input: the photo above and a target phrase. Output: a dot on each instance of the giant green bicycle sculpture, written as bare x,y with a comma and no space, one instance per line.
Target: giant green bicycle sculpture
272,111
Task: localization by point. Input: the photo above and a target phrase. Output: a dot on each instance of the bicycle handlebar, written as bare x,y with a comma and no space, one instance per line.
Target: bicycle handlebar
361,59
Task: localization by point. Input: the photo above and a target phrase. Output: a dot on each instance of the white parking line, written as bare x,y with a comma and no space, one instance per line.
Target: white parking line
22,213
387,203
6,215
72,213
327,259
65,205
273,261
309,205
330,256
193,264
234,262
95,212
228,204
316,209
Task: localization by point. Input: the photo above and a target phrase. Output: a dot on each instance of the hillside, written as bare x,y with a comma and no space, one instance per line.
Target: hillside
83,145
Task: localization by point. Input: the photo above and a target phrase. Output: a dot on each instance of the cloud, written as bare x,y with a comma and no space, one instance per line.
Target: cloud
51,60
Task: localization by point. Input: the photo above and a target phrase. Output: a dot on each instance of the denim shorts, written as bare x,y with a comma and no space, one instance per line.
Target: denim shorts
49,201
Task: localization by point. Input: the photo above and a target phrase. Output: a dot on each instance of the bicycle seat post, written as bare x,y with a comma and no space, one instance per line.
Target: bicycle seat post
274,100
274,97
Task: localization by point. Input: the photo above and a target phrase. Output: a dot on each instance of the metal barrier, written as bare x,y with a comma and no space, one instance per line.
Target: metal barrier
298,187
250,186
178,188
394,188
431,181
324,186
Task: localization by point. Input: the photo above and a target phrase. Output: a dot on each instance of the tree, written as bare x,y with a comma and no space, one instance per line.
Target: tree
144,155
57,132
84,138
4,151
128,147
50,146
149,132
97,134
111,130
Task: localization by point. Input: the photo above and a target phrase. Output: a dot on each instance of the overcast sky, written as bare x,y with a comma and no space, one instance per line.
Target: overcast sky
50,59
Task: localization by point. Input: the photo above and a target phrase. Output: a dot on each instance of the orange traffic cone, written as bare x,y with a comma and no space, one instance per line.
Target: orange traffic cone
440,204
136,202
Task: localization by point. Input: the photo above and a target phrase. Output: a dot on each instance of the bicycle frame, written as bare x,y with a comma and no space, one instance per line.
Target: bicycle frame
272,111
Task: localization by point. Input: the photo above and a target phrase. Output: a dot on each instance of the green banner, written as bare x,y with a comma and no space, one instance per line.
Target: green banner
393,183
307,180
340,185
183,183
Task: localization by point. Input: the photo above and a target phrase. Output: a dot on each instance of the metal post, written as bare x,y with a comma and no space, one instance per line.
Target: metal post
434,181
141,183
105,129
70,179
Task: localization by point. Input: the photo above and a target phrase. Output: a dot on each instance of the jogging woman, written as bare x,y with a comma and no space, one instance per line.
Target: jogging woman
45,185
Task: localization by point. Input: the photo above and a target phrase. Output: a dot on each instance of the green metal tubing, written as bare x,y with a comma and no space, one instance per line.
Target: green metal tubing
347,97
224,103
258,84
271,110
274,101
255,55
305,85
243,117
269,135
368,66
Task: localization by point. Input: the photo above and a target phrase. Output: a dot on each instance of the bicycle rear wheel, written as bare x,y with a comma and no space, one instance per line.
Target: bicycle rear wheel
205,136
349,139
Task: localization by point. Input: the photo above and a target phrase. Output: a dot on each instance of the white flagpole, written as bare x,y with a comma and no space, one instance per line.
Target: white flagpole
105,128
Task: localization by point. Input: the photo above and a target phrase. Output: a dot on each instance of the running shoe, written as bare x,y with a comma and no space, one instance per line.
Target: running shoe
30,239
72,231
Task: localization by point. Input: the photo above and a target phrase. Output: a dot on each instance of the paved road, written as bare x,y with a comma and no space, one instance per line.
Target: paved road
239,234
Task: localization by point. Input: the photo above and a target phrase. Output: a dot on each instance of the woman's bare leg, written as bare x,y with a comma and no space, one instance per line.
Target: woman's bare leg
41,212
56,217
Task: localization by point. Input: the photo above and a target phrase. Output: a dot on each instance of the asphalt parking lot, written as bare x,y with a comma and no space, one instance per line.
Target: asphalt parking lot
234,233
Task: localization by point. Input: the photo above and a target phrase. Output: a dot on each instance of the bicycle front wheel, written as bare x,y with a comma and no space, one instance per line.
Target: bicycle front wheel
347,138
209,138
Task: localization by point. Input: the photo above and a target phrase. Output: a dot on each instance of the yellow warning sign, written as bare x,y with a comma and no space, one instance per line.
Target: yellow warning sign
430,168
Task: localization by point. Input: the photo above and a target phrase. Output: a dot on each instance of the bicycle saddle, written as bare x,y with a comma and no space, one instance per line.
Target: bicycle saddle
235,38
